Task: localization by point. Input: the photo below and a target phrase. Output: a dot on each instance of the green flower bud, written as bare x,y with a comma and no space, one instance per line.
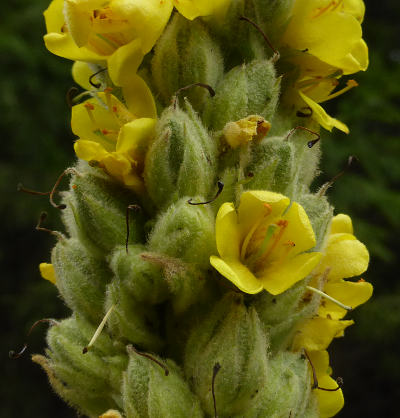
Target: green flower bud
182,159
186,54
280,314
271,165
154,388
81,279
248,89
288,391
91,381
142,279
130,320
231,336
185,231
99,207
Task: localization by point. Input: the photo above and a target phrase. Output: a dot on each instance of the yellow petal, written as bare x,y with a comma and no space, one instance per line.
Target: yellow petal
351,294
298,230
356,60
139,99
54,16
192,9
227,232
329,402
89,150
341,223
78,16
355,7
81,73
345,256
252,208
278,277
47,272
238,274
134,138
117,165
320,116
124,62
317,333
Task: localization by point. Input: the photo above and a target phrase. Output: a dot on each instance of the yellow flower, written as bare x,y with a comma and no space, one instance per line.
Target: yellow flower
116,33
343,257
47,272
262,246
114,136
245,130
329,402
331,31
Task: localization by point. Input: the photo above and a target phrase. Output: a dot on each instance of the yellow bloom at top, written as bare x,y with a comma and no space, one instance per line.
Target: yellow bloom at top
263,244
114,136
330,30
115,32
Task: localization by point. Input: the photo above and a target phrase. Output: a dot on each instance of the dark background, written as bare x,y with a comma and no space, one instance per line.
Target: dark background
36,145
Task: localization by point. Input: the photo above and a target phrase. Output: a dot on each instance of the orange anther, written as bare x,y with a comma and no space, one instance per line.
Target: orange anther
282,223
108,90
74,186
115,109
89,106
361,280
290,244
105,131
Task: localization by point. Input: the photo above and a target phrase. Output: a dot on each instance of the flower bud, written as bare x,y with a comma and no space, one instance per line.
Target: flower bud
81,279
87,381
231,336
99,207
182,159
130,320
154,388
142,279
184,55
248,89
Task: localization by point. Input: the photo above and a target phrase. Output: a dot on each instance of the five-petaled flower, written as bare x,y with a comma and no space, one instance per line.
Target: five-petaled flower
263,245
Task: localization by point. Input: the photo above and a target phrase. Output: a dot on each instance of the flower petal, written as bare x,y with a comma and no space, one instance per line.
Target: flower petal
279,277
238,274
89,150
252,207
320,116
139,99
349,293
192,9
81,73
329,402
47,272
341,223
317,333
227,232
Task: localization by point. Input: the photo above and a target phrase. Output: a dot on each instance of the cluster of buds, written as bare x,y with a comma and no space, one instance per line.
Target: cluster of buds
204,276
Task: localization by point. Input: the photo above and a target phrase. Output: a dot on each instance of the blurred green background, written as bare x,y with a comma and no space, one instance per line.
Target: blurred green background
37,146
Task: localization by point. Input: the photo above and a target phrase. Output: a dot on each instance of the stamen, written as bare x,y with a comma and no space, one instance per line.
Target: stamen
276,55
21,188
216,369
282,223
53,190
324,295
98,330
268,211
13,355
220,188
92,83
39,227
310,144
304,112
89,108
136,208
140,353
322,10
349,85
326,186
206,86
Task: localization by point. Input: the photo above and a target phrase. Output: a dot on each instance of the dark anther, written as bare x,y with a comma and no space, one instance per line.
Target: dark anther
310,144
21,188
71,94
277,55
206,86
328,184
92,83
140,353
315,385
136,208
216,369
39,226
304,112
13,355
220,188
